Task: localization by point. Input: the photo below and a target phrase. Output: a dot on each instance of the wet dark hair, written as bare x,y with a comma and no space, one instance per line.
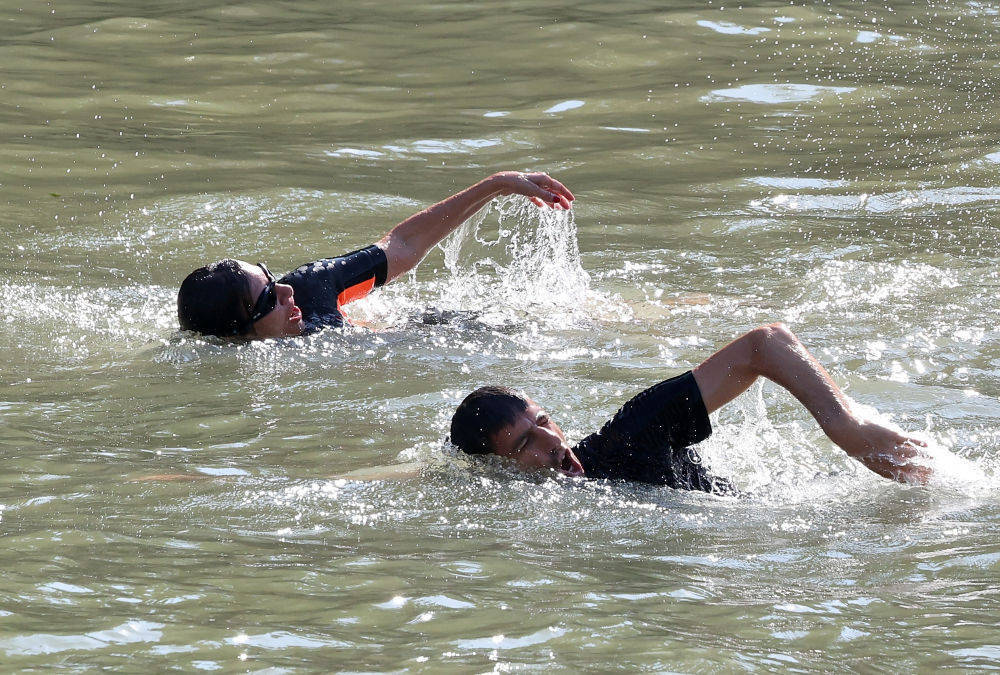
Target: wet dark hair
215,300
482,414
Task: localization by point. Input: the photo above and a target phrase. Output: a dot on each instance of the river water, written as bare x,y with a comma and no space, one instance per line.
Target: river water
169,502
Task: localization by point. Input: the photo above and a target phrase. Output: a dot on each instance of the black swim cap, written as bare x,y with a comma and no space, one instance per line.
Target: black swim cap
215,300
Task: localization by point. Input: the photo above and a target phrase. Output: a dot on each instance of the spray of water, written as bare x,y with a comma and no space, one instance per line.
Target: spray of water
785,458
533,261
949,470
512,264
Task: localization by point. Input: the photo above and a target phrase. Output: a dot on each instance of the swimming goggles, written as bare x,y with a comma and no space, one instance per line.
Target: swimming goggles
267,299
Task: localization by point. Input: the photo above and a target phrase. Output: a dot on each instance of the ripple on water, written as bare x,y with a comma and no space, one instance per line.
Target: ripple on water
933,200
773,94
47,643
564,106
279,640
417,148
797,182
501,641
730,28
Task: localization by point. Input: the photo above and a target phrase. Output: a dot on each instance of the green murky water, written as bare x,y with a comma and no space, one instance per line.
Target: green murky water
833,165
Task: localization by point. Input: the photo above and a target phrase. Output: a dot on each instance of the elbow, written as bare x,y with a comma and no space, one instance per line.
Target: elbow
767,340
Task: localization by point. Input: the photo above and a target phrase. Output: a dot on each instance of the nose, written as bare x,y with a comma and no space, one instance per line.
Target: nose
284,292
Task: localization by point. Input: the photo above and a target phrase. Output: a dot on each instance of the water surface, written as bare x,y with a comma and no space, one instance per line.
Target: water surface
834,166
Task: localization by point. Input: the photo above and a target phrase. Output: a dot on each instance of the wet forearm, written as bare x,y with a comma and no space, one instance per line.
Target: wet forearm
407,243
775,353
785,361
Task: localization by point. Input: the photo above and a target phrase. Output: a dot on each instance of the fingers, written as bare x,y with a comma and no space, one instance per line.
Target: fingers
551,184
912,474
891,454
546,198
906,439
896,465
921,475
549,191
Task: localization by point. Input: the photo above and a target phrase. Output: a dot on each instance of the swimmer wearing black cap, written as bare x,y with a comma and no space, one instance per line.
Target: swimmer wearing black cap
649,440
232,298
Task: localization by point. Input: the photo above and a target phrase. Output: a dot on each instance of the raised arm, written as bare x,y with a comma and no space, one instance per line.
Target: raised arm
407,243
775,353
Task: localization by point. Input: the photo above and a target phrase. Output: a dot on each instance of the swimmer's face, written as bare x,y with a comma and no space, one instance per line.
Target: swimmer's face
285,319
535,442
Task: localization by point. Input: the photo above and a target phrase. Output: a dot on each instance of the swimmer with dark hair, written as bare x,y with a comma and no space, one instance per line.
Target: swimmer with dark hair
235,299
649,440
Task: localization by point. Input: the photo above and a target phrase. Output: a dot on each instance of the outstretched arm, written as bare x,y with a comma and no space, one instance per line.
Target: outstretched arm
775,353
407,243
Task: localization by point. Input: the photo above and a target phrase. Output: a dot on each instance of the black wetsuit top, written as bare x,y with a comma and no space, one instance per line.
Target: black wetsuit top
323,287
649,438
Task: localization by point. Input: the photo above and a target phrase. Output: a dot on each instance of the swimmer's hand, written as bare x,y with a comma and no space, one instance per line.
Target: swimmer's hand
888,453
540,188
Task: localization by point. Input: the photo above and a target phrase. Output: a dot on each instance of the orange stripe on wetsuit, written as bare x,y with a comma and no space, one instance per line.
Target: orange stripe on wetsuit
355,292
324,286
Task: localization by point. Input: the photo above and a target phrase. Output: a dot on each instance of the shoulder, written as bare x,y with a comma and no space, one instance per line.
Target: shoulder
367,262
307,269
648,435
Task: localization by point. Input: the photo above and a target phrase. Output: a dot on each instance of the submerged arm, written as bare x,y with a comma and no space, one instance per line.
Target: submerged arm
407,243
775,353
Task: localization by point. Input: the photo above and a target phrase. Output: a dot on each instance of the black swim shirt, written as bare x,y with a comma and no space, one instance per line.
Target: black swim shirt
649,440
323,287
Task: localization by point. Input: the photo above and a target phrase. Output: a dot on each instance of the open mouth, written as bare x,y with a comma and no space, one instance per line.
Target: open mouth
570,465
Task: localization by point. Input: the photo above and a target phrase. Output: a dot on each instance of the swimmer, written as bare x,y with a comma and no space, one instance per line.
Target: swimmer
649,439
234,299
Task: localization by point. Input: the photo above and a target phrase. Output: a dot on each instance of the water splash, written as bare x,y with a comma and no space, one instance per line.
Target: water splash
531,264
72,324
511,266
950,471
777,462
792,462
